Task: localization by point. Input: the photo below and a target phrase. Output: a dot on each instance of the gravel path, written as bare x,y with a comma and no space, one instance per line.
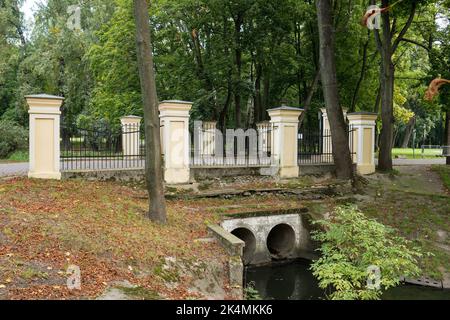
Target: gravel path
416,162
13,169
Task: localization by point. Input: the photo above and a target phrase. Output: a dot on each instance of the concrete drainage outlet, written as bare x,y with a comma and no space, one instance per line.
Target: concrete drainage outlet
250,243
281,241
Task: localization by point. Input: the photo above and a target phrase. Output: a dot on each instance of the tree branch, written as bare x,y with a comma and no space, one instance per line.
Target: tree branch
405,27
416,43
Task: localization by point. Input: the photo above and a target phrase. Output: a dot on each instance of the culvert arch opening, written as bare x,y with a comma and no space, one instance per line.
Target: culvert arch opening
281,241
250,243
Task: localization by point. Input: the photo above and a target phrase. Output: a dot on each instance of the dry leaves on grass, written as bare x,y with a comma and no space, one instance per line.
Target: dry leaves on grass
99,227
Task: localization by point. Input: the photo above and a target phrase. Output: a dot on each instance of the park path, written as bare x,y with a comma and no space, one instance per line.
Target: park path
419,178
13,169
21,169
416,162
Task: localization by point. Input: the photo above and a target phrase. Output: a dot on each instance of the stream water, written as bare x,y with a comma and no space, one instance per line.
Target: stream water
294,281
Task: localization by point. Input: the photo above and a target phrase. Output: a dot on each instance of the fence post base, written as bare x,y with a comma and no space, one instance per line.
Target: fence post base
285,121
176,147
363,124
44,136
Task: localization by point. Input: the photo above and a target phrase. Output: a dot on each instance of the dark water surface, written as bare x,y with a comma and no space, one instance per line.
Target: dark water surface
294,281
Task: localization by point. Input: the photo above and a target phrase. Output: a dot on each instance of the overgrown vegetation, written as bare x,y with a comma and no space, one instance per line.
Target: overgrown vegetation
12,138
351,244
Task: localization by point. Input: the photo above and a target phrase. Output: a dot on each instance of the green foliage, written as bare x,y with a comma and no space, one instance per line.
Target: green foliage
351,243
19,156
13,138
197,45
251,293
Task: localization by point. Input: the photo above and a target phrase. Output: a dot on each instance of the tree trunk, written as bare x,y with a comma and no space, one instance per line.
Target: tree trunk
265,105
153,164
238,57
258,98
387,107
309,97
387,48
341,149
447,135
408,132
361,75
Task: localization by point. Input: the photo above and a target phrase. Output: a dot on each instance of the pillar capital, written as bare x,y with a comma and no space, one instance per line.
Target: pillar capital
285,114
45,113
360,117
44,104
175,108
130,120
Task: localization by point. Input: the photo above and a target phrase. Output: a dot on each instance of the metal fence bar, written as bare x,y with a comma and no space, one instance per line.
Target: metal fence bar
316,146
90,149
252,151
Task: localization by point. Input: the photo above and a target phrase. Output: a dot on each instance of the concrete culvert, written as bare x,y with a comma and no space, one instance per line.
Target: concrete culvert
281,241
250,243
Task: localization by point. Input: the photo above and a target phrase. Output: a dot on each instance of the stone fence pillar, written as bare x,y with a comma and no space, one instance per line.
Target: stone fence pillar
363,126
285,122
327,142
45,113
175,134
131,135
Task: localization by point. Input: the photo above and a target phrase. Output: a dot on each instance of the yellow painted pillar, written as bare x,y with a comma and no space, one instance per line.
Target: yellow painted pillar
326,131
175,134
131,135
45,113
285,121
363,126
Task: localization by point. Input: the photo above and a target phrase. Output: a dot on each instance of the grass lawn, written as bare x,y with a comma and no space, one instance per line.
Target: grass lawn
18,156
415,203
444,173
45,226
100,227
417,153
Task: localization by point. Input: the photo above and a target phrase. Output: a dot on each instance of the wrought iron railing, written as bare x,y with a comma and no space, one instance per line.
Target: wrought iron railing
236,148
316,147
102,149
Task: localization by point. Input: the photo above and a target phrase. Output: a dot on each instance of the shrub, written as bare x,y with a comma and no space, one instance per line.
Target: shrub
13,137
352,245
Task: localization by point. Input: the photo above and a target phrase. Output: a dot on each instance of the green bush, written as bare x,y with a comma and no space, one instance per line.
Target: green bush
352,246
13,137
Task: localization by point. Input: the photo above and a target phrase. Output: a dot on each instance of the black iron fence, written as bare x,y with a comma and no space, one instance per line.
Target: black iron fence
240,148
102,149
84,149
316,147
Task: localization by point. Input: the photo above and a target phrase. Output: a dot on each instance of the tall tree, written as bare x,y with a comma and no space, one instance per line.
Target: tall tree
387,44
154,173
341,150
